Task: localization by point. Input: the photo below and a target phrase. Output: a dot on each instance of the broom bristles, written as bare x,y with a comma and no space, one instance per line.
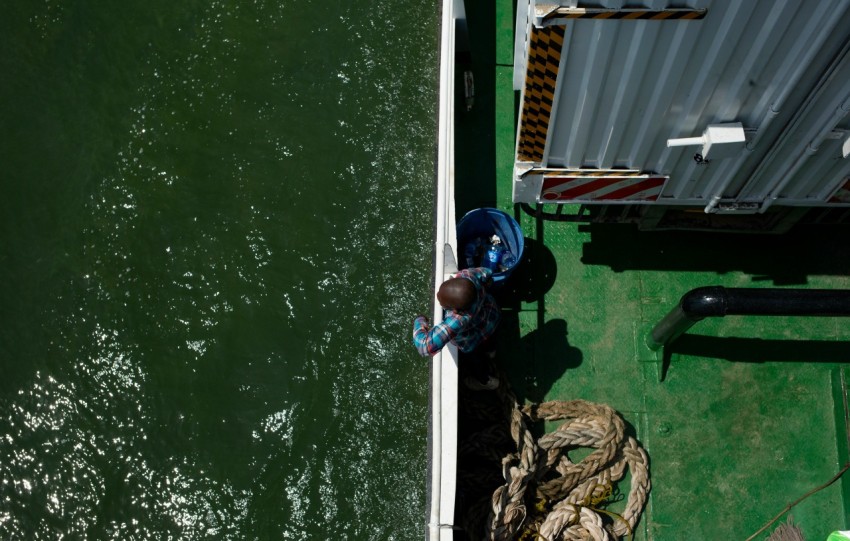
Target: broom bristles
787,532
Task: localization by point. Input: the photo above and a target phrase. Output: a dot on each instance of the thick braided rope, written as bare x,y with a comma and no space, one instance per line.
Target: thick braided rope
585,425
557,524
582,427
508,501
638,463
565,513
589,527
583,524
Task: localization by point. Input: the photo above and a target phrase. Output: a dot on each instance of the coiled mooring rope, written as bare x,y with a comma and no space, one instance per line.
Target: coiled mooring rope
547,496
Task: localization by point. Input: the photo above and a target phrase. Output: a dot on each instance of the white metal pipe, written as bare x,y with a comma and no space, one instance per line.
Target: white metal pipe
685,141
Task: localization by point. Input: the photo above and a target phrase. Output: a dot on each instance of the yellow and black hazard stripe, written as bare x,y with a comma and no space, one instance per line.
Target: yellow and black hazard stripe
625,14
544,56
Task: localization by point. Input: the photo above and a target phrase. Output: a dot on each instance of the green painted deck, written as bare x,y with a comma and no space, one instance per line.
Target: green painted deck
751,414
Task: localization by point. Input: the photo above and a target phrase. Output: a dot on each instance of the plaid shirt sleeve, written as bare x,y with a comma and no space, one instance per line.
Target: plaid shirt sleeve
480,276
428,340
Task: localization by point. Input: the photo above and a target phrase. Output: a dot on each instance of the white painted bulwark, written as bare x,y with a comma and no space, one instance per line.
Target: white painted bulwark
442,453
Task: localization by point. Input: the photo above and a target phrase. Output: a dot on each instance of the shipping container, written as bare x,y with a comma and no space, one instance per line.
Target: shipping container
709,114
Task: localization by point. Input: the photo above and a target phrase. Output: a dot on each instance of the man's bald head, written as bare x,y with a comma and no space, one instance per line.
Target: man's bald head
456,294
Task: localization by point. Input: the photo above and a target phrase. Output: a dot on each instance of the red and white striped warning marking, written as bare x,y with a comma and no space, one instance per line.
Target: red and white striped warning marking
613,188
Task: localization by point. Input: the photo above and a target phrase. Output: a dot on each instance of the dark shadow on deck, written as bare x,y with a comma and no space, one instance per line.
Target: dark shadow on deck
534,360
532,278
553,356
758,350
787,259
475,130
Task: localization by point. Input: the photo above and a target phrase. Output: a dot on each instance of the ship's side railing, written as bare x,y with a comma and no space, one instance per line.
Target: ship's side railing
444,374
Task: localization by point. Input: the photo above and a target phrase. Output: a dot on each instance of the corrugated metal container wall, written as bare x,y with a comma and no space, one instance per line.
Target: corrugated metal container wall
781,68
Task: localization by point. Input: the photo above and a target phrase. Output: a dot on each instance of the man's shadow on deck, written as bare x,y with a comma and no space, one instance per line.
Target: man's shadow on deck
536,361
546,356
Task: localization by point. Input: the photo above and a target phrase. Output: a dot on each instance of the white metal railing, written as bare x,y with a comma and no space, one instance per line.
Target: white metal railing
444,375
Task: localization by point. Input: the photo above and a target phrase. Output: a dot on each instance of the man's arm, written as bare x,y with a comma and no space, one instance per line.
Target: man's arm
481,276
430,340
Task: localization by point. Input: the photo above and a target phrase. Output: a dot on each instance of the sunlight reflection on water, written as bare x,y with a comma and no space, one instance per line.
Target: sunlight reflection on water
226,296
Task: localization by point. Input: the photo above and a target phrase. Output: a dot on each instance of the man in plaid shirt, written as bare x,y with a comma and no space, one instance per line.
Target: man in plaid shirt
471,318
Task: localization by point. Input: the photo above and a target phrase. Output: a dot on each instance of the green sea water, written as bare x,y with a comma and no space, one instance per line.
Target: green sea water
215,224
